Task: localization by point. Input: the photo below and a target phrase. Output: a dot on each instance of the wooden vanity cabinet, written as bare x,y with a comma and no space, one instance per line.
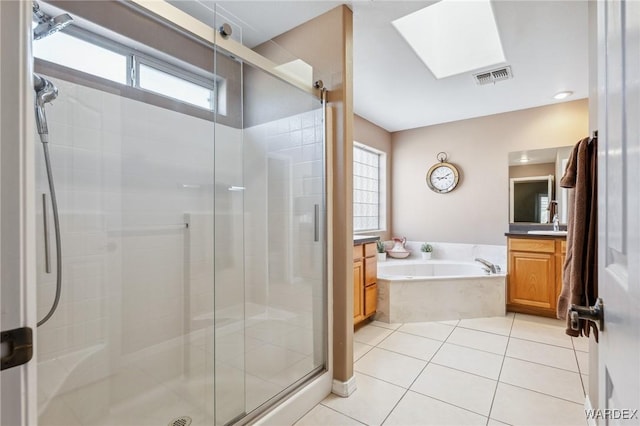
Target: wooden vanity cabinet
534,278
365,287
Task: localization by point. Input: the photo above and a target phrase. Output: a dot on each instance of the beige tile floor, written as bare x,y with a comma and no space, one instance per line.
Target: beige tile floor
514,370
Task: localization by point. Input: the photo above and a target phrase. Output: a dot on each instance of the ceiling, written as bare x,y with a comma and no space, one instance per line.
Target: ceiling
545,43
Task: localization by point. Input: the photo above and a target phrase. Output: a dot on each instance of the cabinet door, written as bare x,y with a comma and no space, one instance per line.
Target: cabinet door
532,278
370,271
370,299
561,257
358,291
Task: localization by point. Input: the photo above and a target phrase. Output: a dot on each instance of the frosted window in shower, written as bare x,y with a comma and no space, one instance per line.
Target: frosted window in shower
175,87
81,55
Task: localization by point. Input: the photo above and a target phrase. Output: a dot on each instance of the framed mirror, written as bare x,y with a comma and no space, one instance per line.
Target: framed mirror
529,199
539,164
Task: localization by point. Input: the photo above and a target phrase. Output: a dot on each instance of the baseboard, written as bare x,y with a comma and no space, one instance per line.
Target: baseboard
344,389
588,409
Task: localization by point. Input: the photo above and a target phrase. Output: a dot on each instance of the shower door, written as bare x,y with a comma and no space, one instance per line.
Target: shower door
193,234
270,243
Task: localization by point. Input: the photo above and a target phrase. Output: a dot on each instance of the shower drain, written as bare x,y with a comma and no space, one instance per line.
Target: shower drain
181,421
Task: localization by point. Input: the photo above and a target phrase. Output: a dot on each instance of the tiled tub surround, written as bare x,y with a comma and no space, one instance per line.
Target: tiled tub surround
451,286
133,340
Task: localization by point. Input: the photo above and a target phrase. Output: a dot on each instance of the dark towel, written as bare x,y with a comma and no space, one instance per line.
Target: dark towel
580,275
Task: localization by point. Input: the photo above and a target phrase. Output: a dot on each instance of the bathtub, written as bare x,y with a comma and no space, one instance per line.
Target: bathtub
437,290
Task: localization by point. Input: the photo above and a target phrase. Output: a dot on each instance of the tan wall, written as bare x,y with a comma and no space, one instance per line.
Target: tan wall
326,43
544,169
376,137
477,211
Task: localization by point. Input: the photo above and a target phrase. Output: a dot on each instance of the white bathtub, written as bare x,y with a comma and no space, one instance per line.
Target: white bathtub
438,290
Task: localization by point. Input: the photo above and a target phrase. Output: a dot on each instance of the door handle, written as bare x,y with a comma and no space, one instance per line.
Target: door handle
593,313
316,222
20,347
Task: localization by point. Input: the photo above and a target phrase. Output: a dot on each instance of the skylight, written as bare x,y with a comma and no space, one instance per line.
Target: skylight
452,36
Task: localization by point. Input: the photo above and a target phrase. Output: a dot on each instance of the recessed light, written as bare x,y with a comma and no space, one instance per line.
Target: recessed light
562,95
452,37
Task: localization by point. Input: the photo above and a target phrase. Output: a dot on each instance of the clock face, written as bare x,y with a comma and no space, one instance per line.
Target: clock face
442,177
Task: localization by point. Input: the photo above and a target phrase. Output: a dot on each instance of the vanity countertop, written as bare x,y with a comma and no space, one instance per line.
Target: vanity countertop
524,234
364,239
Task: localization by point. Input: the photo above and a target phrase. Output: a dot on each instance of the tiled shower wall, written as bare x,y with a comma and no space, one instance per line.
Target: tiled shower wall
284,180
126,175
130,177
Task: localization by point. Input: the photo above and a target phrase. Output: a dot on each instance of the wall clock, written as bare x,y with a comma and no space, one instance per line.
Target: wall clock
443,177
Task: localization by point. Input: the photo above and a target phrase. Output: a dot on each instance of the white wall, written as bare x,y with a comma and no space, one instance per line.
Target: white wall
477,212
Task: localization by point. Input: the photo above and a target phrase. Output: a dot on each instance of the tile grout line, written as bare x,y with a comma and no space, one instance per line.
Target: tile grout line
419,335
334,410
575,354
543,365
463,371
414,380
476,349
495,391
399,353
542,343
545,394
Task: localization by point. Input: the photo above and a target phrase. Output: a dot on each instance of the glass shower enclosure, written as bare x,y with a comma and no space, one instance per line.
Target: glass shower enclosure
193,233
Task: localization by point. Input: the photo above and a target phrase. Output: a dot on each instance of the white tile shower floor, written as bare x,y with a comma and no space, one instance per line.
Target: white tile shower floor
515,370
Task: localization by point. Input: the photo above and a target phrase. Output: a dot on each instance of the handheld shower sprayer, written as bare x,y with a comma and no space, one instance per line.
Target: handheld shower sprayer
45,92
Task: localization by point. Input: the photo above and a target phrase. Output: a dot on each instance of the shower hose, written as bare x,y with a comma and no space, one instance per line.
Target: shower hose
56,225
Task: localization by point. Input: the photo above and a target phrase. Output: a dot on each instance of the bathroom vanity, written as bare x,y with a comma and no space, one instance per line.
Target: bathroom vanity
365,272
534,276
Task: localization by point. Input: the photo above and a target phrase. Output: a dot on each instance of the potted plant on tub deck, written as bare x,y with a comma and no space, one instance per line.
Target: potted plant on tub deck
382,253
426,250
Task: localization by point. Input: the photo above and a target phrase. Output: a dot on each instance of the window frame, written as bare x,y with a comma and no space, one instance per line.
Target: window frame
382,188
174,72
135,57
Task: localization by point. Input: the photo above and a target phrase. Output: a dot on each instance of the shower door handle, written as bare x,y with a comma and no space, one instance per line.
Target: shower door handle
19,347
316,222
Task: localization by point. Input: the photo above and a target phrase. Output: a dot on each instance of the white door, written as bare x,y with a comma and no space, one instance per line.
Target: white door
619,208
17,249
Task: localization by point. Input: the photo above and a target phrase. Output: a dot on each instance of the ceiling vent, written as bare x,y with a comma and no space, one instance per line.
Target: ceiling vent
492,76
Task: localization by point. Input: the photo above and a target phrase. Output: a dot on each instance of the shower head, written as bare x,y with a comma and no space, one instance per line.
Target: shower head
45,92
48,25
51,26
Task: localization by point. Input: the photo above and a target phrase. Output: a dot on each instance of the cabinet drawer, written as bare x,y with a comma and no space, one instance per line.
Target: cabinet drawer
357,252
370,249
538,246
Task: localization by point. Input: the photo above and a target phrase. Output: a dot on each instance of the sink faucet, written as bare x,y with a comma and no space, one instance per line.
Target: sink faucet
556,222
493,268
